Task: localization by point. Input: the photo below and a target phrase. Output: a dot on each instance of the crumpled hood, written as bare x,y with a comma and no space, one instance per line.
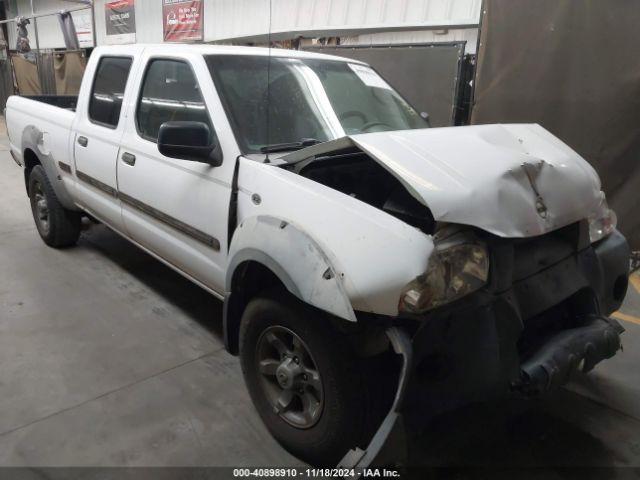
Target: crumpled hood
511,180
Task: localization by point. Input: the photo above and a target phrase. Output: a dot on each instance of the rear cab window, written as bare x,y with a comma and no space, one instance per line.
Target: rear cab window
107,93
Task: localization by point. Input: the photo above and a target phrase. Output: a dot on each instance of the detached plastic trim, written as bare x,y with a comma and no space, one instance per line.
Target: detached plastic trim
580,348
358,458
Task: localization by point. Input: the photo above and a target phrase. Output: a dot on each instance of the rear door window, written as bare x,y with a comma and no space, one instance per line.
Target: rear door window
108,90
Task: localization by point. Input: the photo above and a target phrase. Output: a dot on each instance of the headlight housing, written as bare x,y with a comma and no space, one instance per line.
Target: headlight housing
602,222
453,272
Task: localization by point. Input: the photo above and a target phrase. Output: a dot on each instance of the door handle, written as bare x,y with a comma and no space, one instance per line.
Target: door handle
83,141
129,158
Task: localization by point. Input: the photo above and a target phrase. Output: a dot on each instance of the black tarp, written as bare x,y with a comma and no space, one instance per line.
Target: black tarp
427,75
573,66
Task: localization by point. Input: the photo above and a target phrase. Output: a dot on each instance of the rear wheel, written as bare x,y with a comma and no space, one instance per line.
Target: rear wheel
303,378
57,226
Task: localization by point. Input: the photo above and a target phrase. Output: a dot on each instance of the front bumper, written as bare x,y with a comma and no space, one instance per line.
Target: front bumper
526,332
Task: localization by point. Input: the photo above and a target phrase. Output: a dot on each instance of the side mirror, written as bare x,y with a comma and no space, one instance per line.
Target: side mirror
189,141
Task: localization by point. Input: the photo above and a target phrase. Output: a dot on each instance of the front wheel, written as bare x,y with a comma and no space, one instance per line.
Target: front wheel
303,378
57,226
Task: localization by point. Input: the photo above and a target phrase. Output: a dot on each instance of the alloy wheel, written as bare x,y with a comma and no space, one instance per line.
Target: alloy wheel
41,209
289,377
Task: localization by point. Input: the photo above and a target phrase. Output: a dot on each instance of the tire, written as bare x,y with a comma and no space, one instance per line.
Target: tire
342,422
57,226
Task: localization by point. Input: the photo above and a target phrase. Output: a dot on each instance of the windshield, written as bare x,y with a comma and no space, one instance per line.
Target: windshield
309,100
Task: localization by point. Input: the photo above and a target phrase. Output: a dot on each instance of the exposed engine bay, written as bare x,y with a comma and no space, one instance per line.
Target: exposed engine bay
356,174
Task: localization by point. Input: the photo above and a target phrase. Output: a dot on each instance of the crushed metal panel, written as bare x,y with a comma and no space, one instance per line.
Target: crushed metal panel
478,176
510,180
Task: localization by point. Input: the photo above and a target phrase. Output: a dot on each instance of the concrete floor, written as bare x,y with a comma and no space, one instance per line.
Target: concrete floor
108,358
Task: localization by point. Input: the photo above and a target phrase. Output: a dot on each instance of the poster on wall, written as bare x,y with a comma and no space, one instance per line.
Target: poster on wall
84,27
182,20
120,21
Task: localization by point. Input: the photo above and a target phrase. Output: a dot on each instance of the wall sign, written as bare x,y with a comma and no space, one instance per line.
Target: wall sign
120,21
84,27
182,20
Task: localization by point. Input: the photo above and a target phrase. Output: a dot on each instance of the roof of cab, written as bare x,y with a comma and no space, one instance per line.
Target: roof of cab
177,48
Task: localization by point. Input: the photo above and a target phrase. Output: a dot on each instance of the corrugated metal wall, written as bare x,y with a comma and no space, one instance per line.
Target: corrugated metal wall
235,19
232,19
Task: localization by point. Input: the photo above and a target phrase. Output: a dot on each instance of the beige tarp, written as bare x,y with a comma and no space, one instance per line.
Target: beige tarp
64,73
572,66
69,68
26,74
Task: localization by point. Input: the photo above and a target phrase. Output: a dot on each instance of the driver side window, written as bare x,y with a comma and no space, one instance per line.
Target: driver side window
170,92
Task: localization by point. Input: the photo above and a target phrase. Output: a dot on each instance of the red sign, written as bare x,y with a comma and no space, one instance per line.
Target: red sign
182,20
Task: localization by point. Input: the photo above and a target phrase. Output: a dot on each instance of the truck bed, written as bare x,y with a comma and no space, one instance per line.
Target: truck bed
41,123
68,102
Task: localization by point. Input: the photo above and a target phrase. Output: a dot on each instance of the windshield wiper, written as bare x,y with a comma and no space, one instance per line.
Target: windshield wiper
286,147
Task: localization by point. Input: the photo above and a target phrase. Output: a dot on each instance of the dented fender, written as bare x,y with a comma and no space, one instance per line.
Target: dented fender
295,258
374,254
38,142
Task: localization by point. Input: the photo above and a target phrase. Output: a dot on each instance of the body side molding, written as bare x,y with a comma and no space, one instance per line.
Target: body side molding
65,167
174,223
103,187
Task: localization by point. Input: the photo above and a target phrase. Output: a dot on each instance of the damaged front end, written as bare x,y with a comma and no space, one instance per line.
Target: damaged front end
526,266
540,318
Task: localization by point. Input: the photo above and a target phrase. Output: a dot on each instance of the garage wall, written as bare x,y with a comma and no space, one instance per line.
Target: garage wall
336,17
228,19
49,33
573,67
248,20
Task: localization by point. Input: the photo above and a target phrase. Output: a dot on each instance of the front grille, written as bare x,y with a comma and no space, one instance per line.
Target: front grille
566,314
541,271
549,286
532,255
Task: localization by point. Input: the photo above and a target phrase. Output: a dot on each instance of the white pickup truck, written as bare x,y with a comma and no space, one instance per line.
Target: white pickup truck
375,272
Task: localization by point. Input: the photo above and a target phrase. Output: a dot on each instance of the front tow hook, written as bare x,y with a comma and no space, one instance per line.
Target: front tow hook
391,428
